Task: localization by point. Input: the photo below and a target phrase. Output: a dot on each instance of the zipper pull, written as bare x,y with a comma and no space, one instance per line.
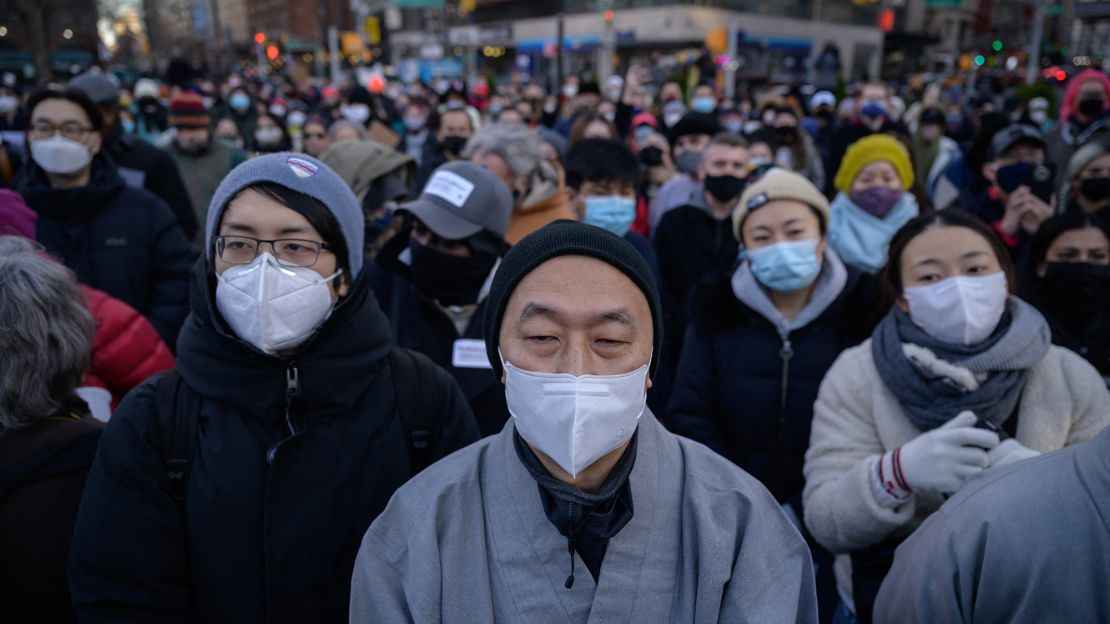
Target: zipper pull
787,351
292,386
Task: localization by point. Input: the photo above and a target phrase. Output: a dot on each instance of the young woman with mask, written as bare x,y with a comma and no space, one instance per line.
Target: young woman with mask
796,151
1068,279
1084,116
288,424
791,307
960,376
1089,180
874,201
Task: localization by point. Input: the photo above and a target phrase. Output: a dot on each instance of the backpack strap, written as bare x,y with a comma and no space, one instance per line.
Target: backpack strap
419,402
177,410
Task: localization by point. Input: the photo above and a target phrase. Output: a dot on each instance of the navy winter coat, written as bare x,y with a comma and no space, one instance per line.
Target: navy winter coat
118,239
748,394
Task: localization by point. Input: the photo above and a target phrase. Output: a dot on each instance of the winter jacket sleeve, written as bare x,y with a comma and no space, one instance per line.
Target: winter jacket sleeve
1088,391
164,180
840,509
127,350
456,426
129,558
692,411
171,262
378,584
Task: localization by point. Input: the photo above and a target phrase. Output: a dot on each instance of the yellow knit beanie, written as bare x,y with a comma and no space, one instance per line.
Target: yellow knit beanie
866,151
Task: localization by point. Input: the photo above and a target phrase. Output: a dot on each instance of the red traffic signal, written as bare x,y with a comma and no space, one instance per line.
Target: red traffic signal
260,38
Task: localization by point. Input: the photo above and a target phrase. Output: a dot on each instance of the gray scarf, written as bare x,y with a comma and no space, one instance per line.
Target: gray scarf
934,380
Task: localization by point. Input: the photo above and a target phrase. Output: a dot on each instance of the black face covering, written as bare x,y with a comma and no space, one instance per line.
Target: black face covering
1076,295
454,144
724,187
450,280
651,156
786,134
1091,107
1095,189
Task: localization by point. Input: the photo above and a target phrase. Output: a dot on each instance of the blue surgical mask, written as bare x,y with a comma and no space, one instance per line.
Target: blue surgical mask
703,104
128,126
873,109
786,267
611,212
239,102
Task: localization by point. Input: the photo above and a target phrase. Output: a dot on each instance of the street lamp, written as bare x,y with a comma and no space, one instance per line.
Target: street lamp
67,33
3,31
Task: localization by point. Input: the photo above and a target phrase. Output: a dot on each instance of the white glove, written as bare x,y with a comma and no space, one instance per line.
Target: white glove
1010,451
940,460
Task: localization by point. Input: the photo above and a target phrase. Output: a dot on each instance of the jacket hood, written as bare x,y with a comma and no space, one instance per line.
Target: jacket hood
334,366
1067,111
104,183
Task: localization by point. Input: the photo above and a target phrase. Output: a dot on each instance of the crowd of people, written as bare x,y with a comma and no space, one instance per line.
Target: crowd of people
275,349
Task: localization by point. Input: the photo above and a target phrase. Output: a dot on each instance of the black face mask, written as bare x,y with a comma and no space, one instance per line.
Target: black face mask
450,280
724,187
651,156
1076,294
1095,189
1091,107
454,144
825,115
786,134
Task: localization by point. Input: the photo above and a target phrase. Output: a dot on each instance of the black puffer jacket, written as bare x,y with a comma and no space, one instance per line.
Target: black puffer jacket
118,239
272,521
144,166
747,393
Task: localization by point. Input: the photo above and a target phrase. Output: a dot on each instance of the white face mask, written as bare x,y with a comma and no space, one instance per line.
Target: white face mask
59,155
271,306
575,420
960,310
356,113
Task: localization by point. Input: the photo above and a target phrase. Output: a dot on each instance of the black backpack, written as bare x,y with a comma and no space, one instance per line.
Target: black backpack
177,408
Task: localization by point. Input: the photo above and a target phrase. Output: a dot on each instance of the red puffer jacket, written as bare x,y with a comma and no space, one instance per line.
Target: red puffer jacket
126,350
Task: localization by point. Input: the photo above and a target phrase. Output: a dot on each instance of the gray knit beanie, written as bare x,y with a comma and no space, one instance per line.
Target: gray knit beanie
301,173
568,238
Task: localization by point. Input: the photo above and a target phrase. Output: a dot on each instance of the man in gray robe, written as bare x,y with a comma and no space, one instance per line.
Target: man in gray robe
1025,543
584,508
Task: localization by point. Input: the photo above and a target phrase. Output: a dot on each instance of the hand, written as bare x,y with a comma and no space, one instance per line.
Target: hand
1024,211
939,461
1010,451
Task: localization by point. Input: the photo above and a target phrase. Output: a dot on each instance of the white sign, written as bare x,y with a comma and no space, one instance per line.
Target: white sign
450,186
469,353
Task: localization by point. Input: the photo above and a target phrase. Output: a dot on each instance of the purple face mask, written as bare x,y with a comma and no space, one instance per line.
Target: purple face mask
877,201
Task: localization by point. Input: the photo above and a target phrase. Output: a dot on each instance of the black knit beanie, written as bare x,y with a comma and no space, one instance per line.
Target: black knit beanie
568,238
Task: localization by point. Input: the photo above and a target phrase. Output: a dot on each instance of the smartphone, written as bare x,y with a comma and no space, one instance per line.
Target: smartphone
1040,181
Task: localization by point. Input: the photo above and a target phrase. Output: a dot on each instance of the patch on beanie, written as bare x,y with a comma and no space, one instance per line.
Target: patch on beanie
301,167
757,201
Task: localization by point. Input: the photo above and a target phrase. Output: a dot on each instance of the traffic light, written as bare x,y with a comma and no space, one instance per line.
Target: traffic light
609,15
980,60
886,20
997,45
272,52
260,38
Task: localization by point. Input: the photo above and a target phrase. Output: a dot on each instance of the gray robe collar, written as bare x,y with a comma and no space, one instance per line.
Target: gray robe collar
543,551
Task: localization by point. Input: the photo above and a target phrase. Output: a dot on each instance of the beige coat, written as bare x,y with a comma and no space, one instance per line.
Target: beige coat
856,419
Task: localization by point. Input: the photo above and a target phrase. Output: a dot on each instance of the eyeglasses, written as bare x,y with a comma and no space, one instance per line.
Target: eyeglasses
70,130
313,135
290,252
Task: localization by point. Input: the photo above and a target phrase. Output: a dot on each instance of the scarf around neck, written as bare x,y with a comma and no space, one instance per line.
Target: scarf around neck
862,240
935,380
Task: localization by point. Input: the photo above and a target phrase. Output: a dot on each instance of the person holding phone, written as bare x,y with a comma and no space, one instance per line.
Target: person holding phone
960,376
1020,196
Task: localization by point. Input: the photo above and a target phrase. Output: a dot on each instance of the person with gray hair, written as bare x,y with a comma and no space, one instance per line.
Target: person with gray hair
47,437
343,130
514,153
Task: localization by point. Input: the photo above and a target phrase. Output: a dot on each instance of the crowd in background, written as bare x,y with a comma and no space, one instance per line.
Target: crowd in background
867,299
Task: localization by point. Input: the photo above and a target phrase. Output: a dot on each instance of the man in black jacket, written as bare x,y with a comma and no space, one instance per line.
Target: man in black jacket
301,413
140,164
695,241
432,279
116,238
